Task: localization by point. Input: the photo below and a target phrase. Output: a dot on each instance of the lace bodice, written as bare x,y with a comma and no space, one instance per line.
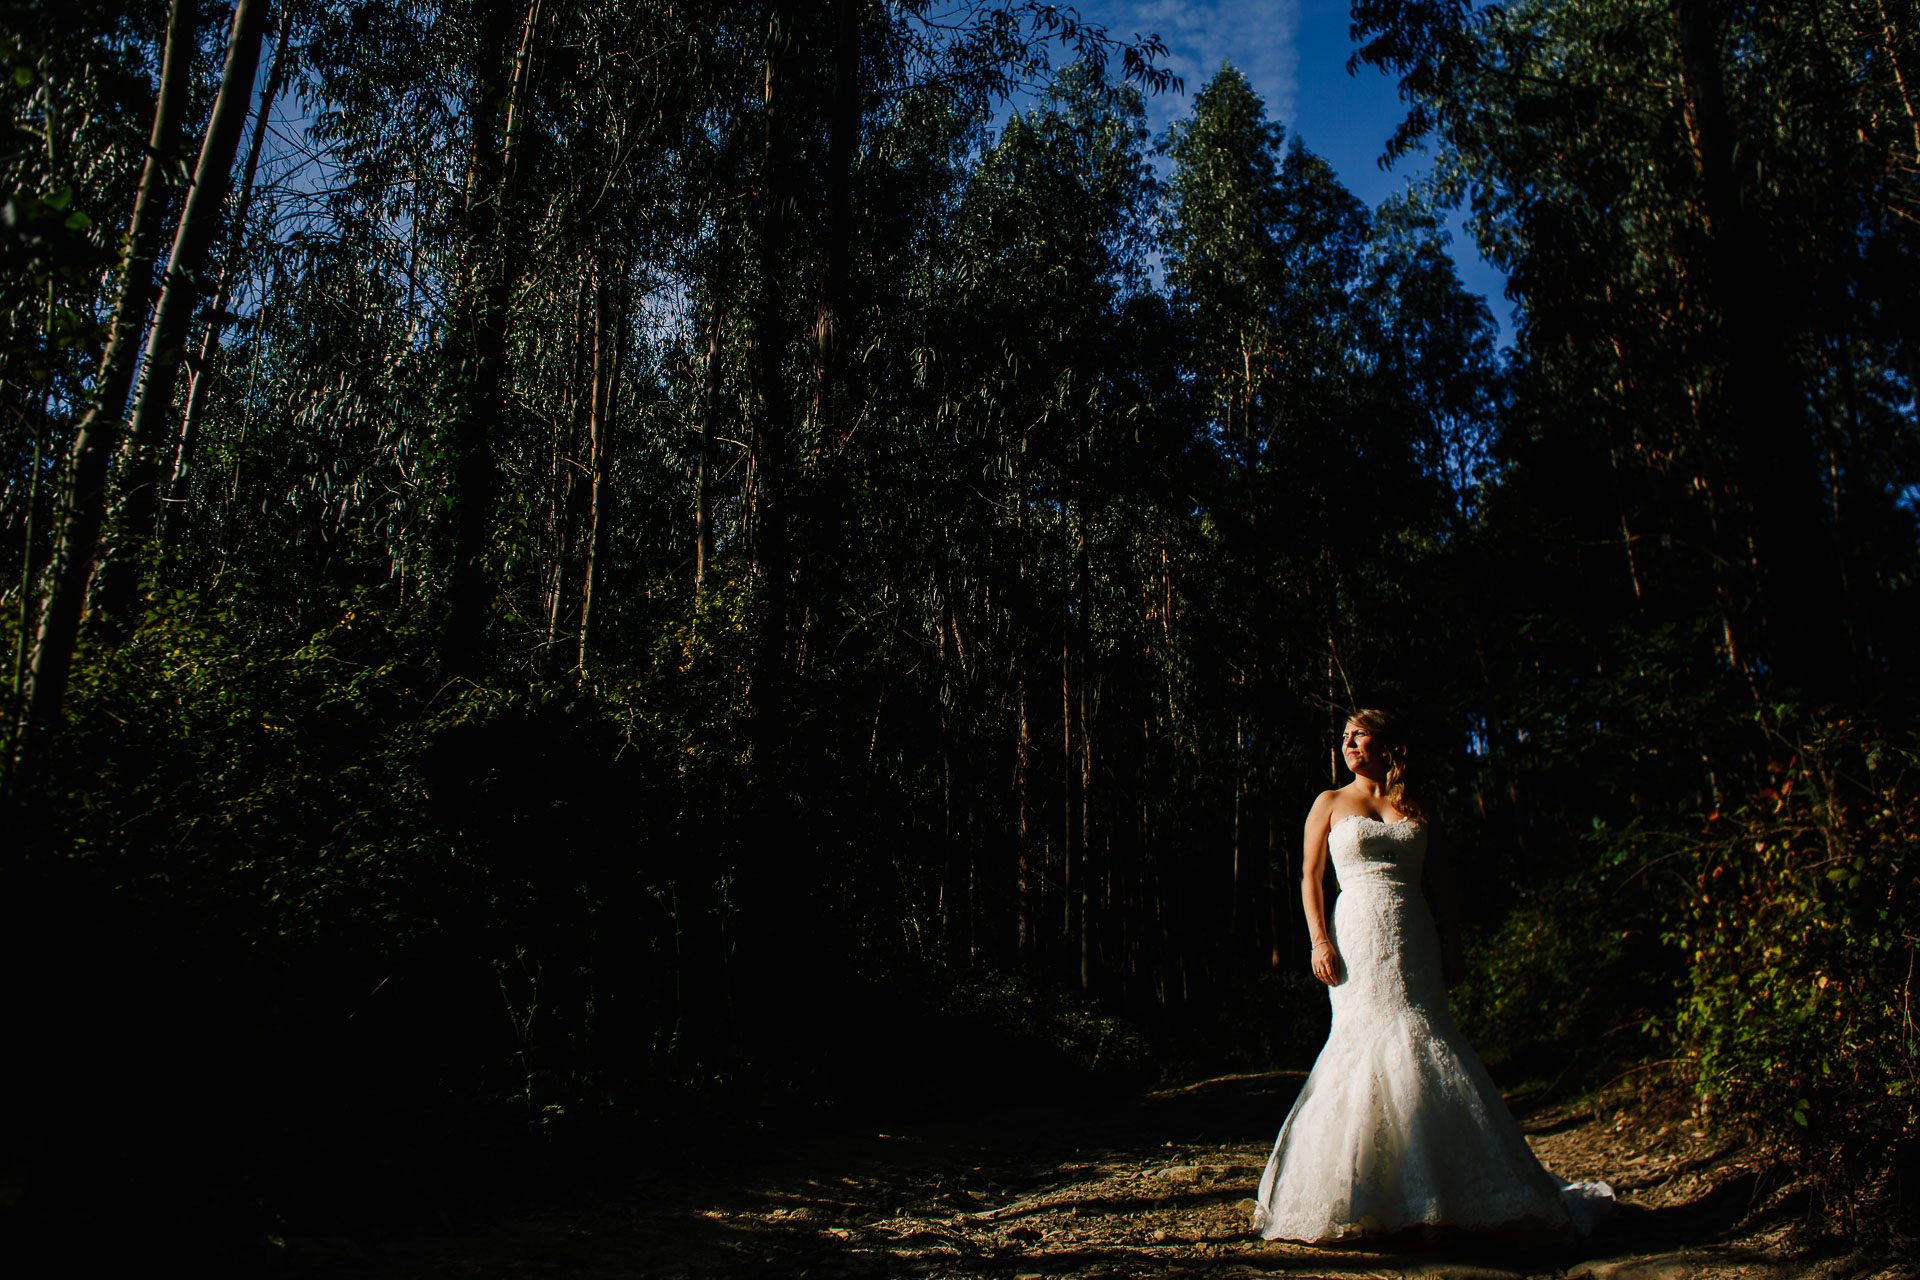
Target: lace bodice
1367,848
1381,926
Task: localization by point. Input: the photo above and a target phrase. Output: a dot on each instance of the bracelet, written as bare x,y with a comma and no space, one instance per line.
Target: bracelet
1324,942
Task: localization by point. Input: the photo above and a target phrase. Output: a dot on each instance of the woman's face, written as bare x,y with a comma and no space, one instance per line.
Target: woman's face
1356,745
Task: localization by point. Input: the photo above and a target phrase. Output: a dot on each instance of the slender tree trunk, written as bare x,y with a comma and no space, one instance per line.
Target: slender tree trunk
560,467
1068,827
99,430
771,430
1239,814
709,412
778,884
202,378
843,134
1277,861
1023,825
519,98
1086,829
818,498
499,111
16,705
599,427
1889,41
943,903
133,523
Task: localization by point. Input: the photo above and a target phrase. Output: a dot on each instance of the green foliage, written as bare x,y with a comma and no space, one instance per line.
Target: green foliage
1767,945
1571,976
1797,913
1277,1018
1010,1005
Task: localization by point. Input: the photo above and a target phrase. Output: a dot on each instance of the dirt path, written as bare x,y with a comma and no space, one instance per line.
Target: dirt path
1161,1188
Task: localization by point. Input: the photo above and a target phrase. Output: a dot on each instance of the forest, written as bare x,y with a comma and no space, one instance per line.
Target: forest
581,575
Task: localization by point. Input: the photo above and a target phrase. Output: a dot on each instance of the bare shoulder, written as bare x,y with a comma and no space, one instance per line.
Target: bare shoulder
1323,806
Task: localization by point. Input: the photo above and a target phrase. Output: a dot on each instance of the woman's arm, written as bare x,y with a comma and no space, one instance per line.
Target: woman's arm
1440,877
1313,870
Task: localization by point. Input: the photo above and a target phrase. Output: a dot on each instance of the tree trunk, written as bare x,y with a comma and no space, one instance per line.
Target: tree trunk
202,377
1758,414
818,506
98,432
778,888
1277,861
133,522
843,134
709,410
1239,813
1023,827
15,705
770,433
499,117
519,98
1086,828
560,467
599,427
1067,824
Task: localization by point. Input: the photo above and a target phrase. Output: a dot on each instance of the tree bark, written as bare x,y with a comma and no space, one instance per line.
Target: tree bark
703,502
1067,825
133,522
599,427
560,468
843,135
17,691
1023,834
94,442
770,432
1276,859
1757,415
1086,827
499,118
202,377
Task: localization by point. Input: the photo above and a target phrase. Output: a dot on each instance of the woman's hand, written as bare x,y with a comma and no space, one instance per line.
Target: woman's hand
1326,962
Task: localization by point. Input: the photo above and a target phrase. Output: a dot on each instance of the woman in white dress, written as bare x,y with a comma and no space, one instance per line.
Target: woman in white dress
1398,1125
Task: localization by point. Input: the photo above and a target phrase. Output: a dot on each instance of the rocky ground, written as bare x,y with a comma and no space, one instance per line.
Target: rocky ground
1159,1188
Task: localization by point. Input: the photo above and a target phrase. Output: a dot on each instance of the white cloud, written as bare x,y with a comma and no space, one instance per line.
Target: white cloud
1260,37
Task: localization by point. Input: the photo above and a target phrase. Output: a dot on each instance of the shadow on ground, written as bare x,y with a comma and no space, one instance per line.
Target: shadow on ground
1157,1187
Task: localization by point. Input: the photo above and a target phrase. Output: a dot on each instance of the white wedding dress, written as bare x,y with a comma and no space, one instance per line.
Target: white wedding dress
1399,1125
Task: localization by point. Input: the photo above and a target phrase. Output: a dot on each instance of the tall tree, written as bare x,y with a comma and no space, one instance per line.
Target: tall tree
1680,194
500,98
99,431
200,382
142,453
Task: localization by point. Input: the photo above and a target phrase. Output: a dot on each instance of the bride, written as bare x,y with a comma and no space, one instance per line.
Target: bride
1398,1125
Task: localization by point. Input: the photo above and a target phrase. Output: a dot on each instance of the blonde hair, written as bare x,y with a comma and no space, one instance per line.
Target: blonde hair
1390,744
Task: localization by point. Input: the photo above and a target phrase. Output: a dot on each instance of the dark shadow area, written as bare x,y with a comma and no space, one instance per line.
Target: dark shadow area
1572,1120
813,1204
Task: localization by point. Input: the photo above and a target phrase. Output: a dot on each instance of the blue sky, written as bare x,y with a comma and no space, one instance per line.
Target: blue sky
1295,53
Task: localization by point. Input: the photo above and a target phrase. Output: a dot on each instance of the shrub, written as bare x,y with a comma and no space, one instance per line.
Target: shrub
1798,926
1575,973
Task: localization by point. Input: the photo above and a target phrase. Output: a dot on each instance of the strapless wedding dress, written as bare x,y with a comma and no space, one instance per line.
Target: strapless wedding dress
1399,1125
